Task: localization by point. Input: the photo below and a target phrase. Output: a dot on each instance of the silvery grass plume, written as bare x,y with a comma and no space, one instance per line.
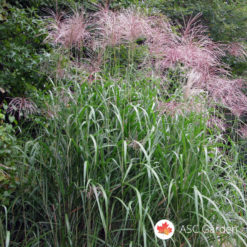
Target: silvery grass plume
192,47
203,59
237,50
216,123
68,30
173,107
121,27
22,107
133,25
219,90
229,93
107,25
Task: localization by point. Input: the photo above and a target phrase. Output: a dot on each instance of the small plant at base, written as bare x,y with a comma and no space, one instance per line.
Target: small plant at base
22,107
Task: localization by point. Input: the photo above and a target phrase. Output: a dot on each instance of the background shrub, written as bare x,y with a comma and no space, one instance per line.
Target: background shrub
22,52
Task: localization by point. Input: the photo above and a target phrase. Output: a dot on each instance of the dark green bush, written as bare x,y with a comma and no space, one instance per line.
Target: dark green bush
8,151
22,51
226,19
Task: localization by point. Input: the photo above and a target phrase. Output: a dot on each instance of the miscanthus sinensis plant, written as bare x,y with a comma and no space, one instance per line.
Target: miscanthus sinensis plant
68,31
107,166
189,47
115,156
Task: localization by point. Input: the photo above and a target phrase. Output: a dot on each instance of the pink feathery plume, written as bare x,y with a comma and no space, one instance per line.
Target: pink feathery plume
68,30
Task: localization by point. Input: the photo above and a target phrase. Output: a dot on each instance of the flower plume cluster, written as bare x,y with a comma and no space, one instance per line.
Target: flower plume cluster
202,57
121,27
68,31
190,47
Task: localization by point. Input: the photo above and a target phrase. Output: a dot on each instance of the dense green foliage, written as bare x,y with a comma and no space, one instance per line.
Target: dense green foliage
108,166
9,150
98,141
22,51
227,20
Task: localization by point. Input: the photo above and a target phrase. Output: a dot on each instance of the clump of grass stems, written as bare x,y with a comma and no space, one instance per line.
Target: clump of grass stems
107,166
93,37
108,163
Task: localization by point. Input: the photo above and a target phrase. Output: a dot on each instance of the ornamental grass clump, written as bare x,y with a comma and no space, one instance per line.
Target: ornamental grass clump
202,58
191,47
121,27
67,30
107,167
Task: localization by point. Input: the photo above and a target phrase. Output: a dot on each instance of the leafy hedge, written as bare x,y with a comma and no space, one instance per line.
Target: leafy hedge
22,51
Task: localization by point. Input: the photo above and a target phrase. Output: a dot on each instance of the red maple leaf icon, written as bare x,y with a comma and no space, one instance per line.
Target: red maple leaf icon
164,229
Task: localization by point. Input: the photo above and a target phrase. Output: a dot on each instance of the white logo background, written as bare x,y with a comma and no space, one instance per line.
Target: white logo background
161,235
